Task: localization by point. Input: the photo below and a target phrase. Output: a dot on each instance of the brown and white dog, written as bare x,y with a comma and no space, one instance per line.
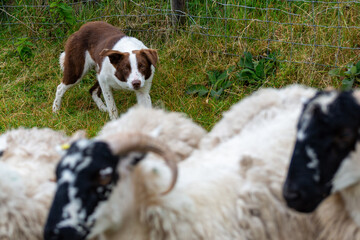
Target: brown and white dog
121,62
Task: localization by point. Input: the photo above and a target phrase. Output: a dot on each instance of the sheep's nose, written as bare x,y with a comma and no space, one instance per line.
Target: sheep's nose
136,84
291,192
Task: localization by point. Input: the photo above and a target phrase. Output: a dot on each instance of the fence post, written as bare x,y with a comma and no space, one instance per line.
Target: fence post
178,10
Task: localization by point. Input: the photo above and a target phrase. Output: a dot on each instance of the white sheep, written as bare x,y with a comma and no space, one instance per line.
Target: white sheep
324,173
27,180
232,191
179,132
29,158
263,105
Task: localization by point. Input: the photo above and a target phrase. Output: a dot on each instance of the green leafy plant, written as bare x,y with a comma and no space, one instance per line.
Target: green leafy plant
347,75
24,48
253,70
62,10
218,82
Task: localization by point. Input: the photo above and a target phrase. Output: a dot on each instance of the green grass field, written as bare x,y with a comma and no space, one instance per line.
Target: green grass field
28,84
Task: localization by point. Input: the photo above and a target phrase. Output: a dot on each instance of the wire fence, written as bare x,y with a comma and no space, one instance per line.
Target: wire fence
320,33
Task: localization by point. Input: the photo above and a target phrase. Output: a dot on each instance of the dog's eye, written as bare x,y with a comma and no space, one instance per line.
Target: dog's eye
126,69
142,67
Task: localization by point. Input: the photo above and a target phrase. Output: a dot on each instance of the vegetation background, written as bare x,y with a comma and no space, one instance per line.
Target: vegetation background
225,50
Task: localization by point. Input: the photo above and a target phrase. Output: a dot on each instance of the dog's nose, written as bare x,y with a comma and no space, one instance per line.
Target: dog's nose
136,84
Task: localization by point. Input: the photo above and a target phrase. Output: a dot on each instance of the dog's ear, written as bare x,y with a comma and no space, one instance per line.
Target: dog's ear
114,56
151,55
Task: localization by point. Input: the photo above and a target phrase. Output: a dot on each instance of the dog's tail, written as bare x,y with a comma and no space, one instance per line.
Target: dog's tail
62,60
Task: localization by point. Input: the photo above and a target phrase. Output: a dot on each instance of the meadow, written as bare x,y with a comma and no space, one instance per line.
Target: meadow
278,42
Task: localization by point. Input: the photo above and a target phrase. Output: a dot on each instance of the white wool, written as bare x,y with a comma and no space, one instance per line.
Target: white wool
180,133
258,109
27,180
229,189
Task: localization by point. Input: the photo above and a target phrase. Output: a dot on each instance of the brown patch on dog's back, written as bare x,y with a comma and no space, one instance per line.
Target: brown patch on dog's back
92,37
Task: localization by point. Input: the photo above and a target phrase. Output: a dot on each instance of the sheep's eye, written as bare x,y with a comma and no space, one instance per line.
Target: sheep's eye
104,179
347,134
345,137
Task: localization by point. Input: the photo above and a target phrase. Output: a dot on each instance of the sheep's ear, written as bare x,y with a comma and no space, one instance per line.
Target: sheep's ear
356,95
77,135
114,56
329,89
131,160
62,149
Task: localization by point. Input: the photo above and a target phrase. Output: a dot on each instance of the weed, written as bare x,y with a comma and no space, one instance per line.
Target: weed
251,71
255,71
347,75
24,49
218,82
63,11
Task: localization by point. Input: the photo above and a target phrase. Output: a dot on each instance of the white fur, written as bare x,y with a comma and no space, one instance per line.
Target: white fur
62,60
60,91
108,81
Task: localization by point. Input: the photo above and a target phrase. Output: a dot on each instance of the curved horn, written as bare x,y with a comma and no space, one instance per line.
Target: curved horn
121,144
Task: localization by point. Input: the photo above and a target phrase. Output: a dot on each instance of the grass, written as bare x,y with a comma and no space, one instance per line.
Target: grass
27,87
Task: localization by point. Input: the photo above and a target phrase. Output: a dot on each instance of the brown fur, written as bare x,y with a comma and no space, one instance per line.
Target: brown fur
96,87
92,37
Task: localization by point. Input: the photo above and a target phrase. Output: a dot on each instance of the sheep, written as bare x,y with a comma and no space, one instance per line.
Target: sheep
179,132
264,105
27,180
324,172
230,191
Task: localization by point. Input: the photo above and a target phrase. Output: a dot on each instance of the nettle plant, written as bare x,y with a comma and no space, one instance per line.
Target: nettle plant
63,12
347,75
256,70
217,82
24,48
251,71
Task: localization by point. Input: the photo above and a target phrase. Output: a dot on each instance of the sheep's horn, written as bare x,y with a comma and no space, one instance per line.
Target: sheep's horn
121,144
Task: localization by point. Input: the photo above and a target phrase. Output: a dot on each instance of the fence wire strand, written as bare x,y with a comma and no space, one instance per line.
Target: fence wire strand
297,27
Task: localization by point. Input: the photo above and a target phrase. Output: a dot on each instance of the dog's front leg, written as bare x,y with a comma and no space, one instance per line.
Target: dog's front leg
143,96
143,99
109,100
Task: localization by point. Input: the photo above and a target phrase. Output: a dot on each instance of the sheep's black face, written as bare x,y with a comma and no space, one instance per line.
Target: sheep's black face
85,178
327,133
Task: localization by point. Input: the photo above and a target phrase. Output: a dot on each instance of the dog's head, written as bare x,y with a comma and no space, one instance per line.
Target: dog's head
132,67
